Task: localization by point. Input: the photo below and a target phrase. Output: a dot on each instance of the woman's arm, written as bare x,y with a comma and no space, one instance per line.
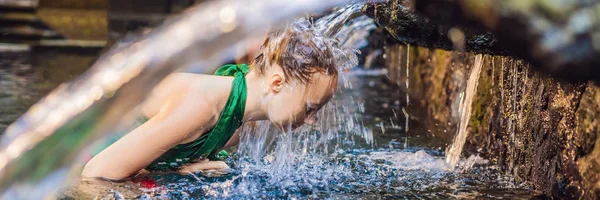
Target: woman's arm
139,148
203,165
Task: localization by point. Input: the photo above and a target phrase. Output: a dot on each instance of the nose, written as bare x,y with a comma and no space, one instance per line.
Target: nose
310,120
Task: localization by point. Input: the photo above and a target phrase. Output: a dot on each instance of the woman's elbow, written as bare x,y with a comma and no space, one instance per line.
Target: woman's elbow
96,171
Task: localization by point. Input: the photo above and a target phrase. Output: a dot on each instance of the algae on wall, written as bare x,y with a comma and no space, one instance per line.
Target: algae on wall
534,127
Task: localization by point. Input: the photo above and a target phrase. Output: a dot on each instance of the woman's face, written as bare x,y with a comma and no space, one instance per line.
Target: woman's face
293,103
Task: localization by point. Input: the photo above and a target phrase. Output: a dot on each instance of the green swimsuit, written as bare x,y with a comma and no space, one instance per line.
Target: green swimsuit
207,145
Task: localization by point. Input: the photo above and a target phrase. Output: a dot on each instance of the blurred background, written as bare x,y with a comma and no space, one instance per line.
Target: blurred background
530,68
47,42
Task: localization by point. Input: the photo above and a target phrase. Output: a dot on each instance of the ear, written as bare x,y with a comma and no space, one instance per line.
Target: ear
276,82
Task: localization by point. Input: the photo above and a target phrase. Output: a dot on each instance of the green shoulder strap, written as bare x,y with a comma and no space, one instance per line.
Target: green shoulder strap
208,144
233,113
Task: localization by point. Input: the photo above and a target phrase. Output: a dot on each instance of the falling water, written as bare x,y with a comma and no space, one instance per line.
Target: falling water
406,116
336,121
330,25
96,102
453,153
20,3
335,158
283,156
312,163
309,163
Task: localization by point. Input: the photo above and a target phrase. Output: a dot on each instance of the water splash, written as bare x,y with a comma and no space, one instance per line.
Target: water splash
322,165
331,24
350,174
339,122
96,102
352,31
337,165
309,149
256,138
355,32
453,154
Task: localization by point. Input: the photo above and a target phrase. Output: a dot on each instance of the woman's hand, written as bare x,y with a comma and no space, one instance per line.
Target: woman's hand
203,165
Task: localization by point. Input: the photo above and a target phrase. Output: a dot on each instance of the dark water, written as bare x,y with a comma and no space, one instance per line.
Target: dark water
338,166
351,167
26,76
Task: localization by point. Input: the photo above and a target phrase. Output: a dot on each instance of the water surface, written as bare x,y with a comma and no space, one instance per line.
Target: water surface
339,164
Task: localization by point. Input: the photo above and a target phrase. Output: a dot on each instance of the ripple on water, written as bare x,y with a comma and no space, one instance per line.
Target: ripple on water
348,171
351,174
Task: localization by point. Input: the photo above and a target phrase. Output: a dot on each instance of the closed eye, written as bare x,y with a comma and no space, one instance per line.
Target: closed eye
311,109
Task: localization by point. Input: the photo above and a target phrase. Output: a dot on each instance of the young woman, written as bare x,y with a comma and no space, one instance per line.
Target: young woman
191,117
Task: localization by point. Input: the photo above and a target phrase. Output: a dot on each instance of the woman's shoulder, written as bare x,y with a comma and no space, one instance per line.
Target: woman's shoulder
176,89
186,80
181,83
183,78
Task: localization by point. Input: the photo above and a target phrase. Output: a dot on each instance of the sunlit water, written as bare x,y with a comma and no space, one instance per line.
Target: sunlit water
348,166
344,167
456,148
26,76
356,150
75,114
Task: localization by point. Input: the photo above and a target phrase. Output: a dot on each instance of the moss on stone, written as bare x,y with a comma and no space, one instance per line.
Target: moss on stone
538,129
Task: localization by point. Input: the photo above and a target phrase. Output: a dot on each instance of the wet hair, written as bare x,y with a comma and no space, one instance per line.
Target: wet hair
299,49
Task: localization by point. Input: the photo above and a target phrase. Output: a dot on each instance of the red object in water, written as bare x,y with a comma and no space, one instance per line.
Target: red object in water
147,183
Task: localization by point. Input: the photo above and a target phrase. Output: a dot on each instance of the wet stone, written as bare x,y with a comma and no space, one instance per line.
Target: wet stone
537,129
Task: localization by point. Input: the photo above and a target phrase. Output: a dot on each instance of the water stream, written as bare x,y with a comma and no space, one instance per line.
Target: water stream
407,95
354,158
334,164
353,151
107,94
454,152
